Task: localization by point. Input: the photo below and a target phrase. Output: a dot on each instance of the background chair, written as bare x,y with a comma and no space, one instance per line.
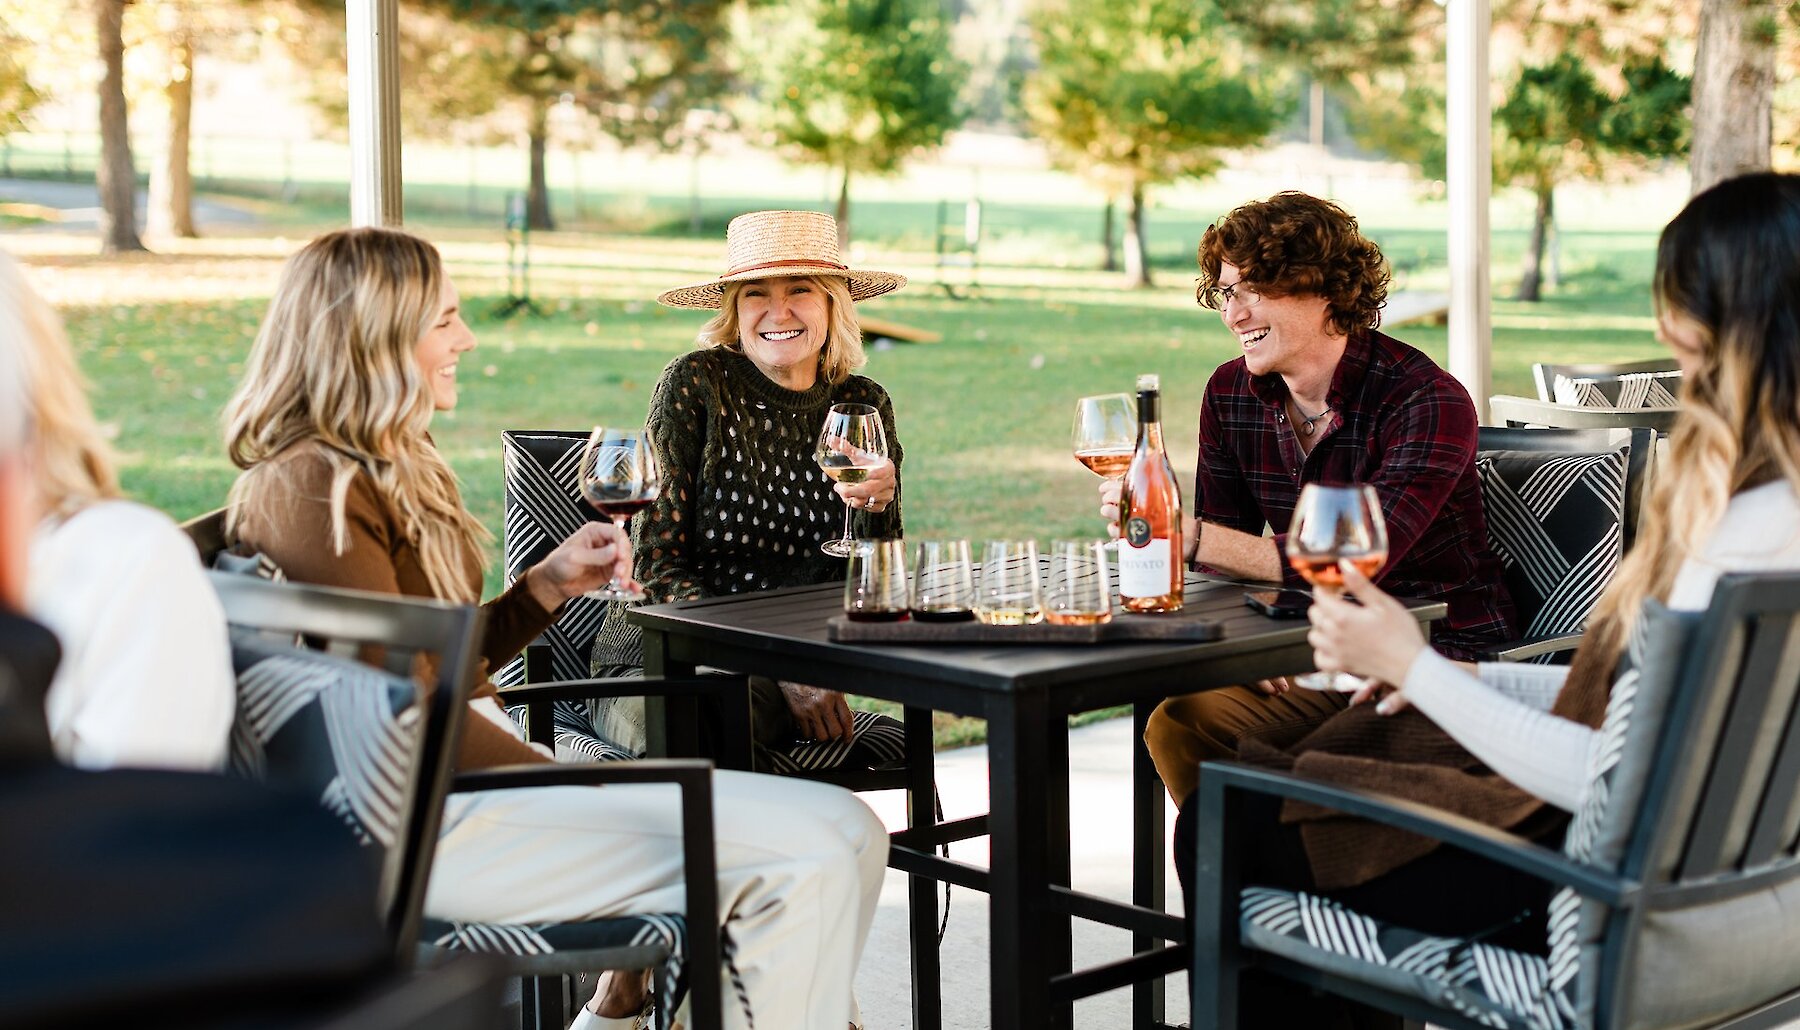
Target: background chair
376,750
543,506
1676,879
1611,395
1562,506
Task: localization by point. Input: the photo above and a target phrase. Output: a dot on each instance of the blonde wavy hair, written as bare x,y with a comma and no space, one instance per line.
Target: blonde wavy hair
334,364
1728,266
843,350
71,464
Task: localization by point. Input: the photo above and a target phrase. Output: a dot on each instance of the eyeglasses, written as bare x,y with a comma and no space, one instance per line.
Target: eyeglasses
1216,297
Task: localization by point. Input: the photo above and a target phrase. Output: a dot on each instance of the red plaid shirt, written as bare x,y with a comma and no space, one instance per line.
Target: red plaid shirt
1399,423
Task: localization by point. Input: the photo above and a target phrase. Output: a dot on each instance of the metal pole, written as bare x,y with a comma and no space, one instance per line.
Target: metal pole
1471,180
372,39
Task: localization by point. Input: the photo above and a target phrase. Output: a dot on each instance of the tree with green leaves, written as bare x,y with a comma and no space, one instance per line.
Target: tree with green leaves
1558,123
857,86
493,67
1132,93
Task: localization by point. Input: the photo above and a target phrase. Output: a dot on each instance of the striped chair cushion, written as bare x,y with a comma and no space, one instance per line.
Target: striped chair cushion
1494,986
1556,521
339,731
1632,391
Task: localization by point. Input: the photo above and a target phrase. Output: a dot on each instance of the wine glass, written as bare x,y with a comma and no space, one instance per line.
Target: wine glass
851,443
1332,524
619,478
1106,432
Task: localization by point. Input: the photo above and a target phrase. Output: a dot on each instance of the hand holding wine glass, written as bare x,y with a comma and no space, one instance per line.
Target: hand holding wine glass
1333,524
619,478
851,443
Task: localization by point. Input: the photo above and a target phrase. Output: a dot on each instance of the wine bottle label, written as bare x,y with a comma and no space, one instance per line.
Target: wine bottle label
1144,569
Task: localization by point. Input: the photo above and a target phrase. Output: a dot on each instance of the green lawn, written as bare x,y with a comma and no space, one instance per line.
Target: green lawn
984,415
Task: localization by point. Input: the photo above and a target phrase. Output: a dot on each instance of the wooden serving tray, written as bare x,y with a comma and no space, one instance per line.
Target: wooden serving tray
1169,627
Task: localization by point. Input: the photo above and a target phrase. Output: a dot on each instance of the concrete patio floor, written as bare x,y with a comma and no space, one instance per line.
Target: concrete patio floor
1100,794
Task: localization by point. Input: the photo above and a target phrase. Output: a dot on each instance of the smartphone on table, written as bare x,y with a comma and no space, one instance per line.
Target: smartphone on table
1279,604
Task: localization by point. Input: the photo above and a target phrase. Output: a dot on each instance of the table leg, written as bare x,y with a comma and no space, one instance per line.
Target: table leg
1019,867
1059,943
1147,872
921,810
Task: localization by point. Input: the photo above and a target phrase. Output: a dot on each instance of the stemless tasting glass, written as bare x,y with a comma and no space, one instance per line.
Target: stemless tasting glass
943,582
851,442
875,585
1333,523
619,478
1010,593
1106,433
1078,592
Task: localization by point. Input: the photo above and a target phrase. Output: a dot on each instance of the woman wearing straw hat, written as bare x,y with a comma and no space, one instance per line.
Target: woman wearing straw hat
743,505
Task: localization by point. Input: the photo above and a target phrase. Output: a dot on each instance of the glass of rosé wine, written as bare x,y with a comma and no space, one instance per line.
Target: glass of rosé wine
1333,524
1105,434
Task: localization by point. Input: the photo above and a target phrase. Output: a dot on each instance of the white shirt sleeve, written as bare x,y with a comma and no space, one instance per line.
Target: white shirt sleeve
146,678
1541,753
1534,685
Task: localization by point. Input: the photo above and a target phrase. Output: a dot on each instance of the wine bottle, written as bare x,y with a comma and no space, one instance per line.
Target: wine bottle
1150,572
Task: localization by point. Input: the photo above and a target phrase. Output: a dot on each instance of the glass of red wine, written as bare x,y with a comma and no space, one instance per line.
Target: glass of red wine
619,478
1333,524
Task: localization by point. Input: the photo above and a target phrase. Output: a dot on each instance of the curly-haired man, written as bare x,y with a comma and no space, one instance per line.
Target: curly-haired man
1318,395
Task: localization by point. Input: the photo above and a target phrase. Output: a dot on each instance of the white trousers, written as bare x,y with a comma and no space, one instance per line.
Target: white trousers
800,870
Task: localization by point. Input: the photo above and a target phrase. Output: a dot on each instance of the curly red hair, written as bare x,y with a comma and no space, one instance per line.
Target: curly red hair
1296,243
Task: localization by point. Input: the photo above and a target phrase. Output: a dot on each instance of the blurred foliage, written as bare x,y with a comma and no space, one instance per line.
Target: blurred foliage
17,94
1131,93
854,85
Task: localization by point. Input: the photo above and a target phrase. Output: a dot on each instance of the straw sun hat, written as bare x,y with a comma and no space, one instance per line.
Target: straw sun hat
776,244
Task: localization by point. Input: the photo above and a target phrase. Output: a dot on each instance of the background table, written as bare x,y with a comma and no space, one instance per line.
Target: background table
1026,694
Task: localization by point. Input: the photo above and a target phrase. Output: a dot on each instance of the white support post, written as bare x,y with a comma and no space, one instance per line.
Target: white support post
1471,182
372,37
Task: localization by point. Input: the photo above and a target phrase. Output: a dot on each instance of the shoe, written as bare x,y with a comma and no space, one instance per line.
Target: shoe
588,1019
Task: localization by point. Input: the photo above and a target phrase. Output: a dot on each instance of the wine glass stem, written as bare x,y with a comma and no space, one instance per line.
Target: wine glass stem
847,537
618,522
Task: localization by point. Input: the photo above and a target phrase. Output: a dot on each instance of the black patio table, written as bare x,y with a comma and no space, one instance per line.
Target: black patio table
1026,694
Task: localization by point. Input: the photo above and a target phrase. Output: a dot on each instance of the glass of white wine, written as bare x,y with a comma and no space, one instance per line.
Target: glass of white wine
851,442
1011,592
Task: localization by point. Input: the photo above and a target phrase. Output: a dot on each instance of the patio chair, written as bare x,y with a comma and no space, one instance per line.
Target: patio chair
375,749
543,506
1562,506
1676,881
1616,395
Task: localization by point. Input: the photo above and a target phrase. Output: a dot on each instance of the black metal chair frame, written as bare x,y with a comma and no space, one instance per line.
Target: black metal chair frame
1713,765
349,622
1639,466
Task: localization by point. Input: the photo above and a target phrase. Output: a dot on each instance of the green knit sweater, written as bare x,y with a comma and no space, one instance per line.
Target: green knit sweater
743,505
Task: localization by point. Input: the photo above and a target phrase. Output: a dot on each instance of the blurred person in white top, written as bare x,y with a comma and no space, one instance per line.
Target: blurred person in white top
146,677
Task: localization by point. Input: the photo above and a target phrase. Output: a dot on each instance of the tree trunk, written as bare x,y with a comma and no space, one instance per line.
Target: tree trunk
1531,275
1109,244
1137,252
843,213
171,185
115,176
1734,88
537,190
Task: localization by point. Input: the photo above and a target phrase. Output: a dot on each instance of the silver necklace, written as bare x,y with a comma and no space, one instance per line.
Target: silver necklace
1309,421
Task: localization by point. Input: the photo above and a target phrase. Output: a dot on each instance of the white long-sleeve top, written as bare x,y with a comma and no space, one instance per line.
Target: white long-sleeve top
1503,715
145,679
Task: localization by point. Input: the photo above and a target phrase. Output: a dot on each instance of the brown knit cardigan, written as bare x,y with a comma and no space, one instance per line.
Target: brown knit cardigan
291,524
1405,755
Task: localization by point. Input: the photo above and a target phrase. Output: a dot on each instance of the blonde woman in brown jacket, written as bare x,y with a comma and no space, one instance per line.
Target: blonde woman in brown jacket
343,487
